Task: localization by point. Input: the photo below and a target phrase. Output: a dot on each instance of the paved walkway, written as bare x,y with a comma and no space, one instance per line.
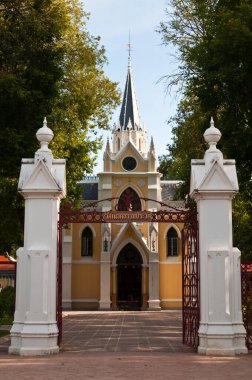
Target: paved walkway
123,345
124,331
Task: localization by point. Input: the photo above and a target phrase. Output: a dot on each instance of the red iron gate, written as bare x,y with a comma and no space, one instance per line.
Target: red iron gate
190,282
246,289
166,214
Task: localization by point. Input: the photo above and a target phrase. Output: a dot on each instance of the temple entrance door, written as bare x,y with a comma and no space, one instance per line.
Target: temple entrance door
129,278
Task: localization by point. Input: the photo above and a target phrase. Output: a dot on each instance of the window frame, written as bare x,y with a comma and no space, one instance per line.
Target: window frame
87,242
172,243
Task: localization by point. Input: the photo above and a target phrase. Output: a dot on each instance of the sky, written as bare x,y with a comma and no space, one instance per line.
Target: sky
113,20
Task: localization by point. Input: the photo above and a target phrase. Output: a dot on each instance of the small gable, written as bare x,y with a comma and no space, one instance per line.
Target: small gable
216,179
40,179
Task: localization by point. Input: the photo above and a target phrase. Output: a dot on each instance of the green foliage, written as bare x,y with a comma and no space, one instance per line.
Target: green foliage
188,126
50,66
242,220
85,100
165,166
29,65
213,40
12,216
7,304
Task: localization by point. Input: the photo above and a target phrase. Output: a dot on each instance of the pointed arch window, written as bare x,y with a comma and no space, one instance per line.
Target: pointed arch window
129,201
87,242
172,242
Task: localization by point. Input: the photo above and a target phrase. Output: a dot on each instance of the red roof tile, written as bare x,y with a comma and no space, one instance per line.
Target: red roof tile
6,264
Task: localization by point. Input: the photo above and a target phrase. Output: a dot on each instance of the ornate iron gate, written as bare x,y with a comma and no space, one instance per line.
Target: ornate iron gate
126,214
246,289
190,280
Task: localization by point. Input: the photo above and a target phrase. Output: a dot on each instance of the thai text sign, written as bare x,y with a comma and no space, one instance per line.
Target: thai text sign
71,216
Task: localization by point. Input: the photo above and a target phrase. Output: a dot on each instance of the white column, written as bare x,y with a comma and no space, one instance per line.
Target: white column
42,184
105,301
153,301
213,186
67,268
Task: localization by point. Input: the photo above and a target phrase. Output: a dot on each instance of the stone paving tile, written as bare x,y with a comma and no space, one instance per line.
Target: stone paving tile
112,346
128,331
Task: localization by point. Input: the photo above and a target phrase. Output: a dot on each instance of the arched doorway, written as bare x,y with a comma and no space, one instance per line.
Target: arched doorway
129,278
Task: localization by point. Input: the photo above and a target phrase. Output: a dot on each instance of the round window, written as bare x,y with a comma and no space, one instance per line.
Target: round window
129,163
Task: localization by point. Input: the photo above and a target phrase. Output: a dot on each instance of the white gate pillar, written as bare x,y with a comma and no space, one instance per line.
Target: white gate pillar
42,184
213,186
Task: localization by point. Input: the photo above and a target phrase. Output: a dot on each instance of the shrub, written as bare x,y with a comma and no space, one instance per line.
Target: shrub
7,302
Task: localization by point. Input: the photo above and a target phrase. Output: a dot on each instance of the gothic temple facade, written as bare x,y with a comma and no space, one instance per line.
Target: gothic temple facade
125,265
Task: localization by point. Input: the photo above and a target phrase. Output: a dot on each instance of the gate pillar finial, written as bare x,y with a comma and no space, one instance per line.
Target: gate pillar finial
213,185
42,184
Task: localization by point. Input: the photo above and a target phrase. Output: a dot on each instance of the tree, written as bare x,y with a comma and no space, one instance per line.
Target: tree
30,56
214,45
84,103
50,66
187,127
242,221
7,303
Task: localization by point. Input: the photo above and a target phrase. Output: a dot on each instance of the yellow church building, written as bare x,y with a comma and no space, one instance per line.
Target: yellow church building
133,265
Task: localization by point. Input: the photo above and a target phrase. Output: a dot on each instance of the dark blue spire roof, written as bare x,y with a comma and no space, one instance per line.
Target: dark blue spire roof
129,116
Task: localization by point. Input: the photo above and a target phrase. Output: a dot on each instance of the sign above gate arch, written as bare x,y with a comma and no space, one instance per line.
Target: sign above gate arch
90,213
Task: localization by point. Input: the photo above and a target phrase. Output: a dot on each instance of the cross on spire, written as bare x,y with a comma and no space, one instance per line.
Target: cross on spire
129,46
129,50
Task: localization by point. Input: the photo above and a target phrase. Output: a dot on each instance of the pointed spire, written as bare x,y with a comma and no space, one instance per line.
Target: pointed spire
152,143
129,115
108,147
152,147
